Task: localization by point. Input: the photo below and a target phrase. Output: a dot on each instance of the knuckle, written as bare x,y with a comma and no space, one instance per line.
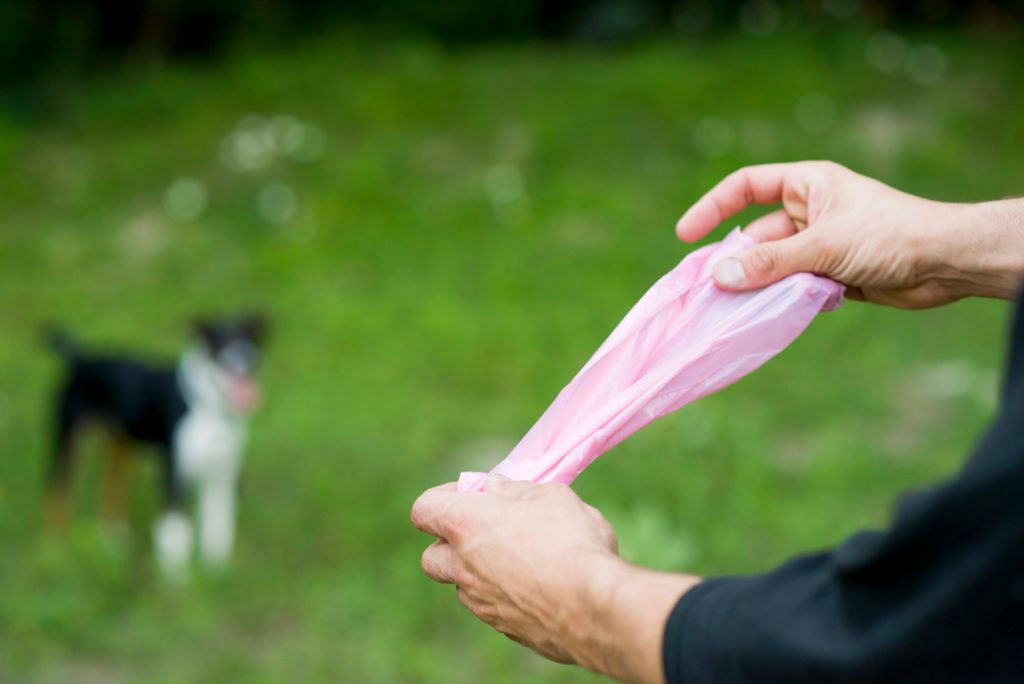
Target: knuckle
613,543
597,517
740,174
764,259
609,535
473,606
828,166
740,178
492,615
429,560
733,177
555,490
460,576
748,189
453,527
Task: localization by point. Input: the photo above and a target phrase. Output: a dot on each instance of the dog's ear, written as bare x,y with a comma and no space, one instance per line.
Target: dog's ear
255,326
205,331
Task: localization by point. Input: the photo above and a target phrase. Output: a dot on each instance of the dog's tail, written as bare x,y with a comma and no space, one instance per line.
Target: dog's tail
61,342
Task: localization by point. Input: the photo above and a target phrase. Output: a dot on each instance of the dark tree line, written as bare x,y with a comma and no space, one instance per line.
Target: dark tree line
76,36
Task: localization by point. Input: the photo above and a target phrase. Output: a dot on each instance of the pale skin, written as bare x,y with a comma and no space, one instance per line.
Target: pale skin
542,567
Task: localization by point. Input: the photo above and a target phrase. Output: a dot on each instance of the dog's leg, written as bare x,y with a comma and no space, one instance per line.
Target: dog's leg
172,532
115,481
172,538
217,518
59,496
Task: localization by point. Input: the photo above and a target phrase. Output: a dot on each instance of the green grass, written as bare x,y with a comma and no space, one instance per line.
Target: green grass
422,324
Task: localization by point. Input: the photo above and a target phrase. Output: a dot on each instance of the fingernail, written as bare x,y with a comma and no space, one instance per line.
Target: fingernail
729,272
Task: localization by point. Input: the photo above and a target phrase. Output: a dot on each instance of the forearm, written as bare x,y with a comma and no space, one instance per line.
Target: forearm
979,250
629,607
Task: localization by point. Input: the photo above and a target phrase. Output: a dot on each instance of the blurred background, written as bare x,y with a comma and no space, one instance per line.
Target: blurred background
445,208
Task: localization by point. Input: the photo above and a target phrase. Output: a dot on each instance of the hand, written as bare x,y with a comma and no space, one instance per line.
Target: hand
542,567
886,246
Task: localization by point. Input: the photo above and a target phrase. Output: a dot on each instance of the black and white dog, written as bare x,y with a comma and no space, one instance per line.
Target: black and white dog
194,414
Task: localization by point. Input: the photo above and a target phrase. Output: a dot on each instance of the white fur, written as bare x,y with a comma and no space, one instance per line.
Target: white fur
207,447
172,535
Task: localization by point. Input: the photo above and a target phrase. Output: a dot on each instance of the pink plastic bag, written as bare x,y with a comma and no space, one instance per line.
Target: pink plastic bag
684,339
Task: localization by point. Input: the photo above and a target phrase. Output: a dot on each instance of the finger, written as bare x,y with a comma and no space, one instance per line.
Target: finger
466,600
766,263
772,226
923,296
496,483
428,510
761,184
437,562
516,639
482,610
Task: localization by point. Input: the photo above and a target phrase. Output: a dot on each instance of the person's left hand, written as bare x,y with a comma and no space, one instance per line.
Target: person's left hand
542,567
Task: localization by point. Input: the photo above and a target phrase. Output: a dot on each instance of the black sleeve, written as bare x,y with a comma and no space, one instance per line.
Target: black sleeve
938,597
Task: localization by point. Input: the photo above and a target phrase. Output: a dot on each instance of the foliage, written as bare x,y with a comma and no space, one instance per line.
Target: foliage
444,241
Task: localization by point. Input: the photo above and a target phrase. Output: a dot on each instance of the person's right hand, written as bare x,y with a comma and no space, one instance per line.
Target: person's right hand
886,246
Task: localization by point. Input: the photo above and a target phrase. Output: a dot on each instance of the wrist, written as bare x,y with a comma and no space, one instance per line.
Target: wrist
981,249
627,608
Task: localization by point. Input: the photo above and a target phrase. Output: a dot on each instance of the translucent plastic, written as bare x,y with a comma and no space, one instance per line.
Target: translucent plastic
683,340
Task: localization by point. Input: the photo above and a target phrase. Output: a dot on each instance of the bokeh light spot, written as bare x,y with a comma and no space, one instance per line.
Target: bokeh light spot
886,51
926,64
277,203
504,183
185,199
257,141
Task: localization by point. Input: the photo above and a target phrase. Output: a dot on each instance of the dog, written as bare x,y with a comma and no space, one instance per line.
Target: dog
194,414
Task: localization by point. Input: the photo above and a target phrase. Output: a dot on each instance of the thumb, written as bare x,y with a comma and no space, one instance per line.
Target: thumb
765,263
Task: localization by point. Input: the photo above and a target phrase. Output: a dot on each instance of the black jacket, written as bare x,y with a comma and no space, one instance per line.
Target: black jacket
939,597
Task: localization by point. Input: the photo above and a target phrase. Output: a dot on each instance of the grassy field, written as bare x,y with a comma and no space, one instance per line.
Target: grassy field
442,238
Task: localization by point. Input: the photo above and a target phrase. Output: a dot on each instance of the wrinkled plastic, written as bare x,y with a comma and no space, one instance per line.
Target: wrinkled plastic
684,339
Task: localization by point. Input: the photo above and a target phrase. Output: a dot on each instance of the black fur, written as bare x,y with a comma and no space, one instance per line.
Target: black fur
133,399
140,401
